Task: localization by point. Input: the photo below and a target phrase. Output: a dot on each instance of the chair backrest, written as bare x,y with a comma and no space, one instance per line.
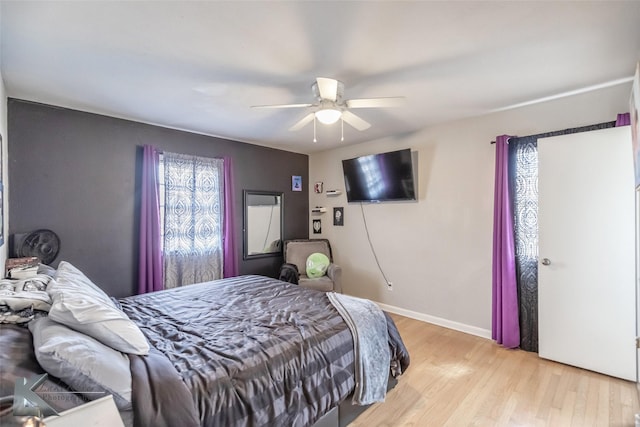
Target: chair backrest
297,251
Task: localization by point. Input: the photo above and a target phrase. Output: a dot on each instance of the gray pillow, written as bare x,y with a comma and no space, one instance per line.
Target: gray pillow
46,269
81,305
86,365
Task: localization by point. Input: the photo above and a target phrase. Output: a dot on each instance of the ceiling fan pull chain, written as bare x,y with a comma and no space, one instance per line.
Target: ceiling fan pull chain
341,129
314,129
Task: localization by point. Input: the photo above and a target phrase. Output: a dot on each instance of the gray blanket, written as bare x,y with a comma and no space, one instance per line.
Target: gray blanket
368,326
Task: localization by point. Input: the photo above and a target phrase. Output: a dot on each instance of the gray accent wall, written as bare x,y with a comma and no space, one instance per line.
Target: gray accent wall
78,174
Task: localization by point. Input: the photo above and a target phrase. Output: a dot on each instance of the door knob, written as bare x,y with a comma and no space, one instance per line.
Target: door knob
546,261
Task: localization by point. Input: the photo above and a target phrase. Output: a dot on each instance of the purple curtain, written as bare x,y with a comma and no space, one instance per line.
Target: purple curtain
623,119
150,263
230,267
505,324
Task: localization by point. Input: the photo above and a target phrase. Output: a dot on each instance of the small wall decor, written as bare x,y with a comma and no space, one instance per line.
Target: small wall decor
296,183
318,187
317,226
338,216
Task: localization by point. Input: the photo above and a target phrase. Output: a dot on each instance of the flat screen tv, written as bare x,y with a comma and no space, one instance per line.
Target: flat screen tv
380,177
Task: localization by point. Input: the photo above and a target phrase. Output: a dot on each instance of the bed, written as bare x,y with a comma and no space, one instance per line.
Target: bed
244,351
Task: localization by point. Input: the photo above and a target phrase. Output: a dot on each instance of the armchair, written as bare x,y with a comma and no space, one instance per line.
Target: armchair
297,251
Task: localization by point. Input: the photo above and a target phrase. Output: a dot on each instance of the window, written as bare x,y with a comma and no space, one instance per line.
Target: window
191,210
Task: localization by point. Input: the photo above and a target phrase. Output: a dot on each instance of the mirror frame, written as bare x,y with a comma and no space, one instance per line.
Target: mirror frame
245,218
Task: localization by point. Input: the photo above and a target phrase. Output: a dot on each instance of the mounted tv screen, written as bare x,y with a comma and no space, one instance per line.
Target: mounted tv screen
380,177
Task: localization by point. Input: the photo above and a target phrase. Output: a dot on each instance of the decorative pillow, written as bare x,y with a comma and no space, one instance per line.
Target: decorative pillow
22,300
8,315
86,365
38,282
317,265
81,305
20,294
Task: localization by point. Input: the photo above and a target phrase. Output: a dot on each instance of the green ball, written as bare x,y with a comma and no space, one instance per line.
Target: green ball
317,265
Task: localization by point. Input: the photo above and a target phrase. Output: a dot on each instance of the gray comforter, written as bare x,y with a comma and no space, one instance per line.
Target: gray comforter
246,351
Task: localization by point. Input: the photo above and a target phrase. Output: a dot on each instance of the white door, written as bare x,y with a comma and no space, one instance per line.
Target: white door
637,289
586,290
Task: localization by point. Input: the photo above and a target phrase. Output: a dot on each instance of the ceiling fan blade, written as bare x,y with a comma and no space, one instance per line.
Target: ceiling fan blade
302,122
328,88
355,121
283,106
392,101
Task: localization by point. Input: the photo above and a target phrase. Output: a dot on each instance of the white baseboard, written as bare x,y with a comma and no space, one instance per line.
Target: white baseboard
456,326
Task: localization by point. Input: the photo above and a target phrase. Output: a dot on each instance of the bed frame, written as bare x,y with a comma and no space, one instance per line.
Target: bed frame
343,414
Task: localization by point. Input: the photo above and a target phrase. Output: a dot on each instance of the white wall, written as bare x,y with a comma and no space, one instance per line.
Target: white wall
437,251
5,157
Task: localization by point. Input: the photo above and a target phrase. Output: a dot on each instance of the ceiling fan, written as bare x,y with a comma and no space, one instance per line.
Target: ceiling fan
331,107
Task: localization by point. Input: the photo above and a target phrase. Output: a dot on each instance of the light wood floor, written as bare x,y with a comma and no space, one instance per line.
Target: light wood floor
456,379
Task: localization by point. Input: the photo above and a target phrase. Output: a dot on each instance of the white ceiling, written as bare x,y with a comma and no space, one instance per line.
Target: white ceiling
198,66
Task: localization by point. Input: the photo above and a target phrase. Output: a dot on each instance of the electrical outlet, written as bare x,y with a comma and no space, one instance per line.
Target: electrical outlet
389,286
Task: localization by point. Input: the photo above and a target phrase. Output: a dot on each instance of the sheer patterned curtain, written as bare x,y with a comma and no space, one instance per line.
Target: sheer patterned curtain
193,219
523,156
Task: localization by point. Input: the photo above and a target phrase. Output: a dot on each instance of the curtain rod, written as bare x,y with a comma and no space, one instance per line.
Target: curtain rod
603,125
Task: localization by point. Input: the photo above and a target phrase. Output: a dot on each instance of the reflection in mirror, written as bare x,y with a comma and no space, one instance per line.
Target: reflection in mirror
263,219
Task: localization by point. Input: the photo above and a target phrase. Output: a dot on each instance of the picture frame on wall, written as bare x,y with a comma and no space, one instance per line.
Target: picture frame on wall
634,111
338,216
317,226
296,183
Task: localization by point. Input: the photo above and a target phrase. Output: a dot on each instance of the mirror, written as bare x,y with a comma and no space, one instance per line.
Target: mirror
263,223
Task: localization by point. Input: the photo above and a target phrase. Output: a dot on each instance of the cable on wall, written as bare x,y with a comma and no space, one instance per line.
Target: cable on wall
366,228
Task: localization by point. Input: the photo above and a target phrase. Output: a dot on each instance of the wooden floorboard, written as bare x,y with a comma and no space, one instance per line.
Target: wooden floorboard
457,379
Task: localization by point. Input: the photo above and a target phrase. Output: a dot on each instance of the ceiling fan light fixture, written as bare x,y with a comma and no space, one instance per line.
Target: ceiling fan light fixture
328,116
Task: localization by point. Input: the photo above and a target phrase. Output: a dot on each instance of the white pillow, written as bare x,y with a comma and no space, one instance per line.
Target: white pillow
69,276
81,305
86,365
